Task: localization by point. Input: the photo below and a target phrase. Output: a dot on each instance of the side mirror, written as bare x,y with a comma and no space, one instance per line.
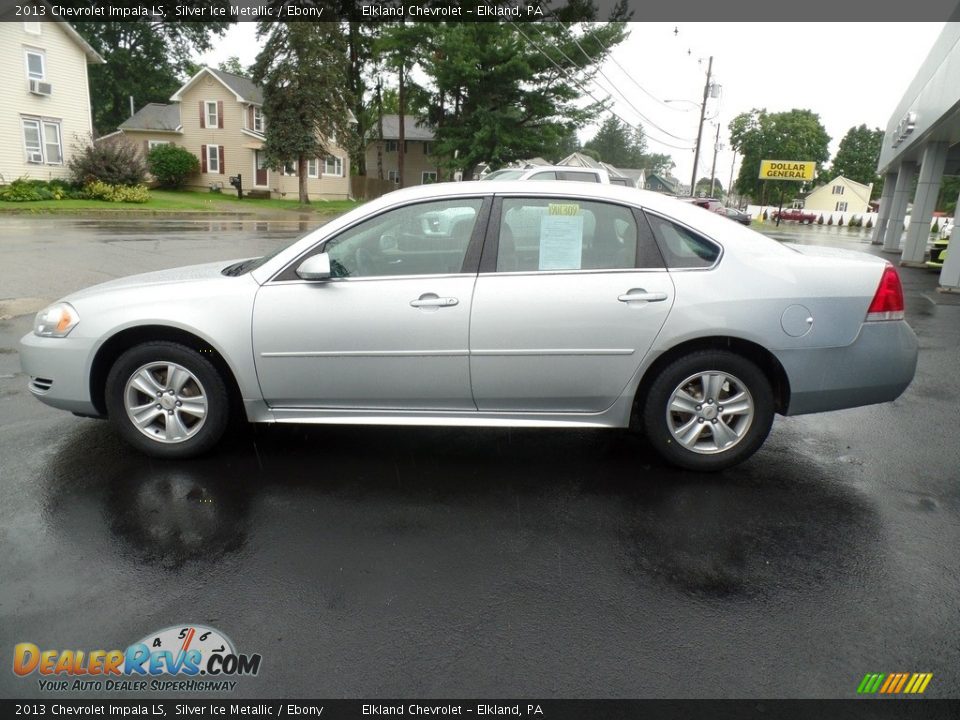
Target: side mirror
315,267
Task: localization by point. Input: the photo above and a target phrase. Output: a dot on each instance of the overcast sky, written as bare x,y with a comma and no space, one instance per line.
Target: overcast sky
848,73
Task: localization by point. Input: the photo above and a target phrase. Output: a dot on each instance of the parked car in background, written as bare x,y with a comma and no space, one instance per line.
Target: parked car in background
938,253
707,203
795,215
504,304
551,172
737,215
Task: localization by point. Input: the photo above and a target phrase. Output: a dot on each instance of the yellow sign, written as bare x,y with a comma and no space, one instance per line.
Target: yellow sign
787,170
564,209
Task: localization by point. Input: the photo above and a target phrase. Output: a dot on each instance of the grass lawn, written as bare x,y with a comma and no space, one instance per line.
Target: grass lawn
171,201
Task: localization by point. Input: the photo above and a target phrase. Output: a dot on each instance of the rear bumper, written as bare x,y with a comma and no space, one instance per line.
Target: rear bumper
58,370
876,367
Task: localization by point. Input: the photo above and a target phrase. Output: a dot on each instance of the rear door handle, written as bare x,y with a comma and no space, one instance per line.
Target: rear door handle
641,295
431,300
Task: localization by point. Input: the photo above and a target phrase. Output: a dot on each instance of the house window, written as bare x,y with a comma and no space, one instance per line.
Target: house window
41,141
313,168
841,207
392,145
258,120
32,27
35,65
838,189
151,144
213,120
289,168
333,165
213,158
428,148
393,176
428,177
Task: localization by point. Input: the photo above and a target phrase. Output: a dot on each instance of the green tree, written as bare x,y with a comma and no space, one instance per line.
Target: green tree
502,92
857,157
793,135
619,144
146,59
306,99
233,66
703,188
949,192
657,163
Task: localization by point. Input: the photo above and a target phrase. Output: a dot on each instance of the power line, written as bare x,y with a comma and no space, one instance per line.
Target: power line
564,74
613,85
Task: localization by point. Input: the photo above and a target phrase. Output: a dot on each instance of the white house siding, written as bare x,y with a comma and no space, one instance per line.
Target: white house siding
823,199
65,65
415,162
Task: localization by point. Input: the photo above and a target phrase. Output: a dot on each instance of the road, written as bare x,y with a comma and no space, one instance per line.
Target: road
403,562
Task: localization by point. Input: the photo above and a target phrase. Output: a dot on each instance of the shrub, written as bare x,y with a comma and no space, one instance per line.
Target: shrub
830,221
20,190
114,162
97,190
171,165
840,221
820,219
869,223
936,227
764,215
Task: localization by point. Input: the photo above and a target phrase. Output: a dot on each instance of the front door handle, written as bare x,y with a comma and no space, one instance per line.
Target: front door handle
641,295
430,300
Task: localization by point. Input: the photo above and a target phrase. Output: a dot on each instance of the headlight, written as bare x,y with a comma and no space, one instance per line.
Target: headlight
56,321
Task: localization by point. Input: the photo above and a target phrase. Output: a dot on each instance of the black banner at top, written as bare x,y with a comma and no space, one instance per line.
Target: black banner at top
759,12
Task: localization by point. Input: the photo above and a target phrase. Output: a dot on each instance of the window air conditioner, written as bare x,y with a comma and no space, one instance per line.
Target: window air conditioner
36,157
38,87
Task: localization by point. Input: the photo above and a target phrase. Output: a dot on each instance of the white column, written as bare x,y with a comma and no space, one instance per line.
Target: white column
901,196
928,187
950,273
886,200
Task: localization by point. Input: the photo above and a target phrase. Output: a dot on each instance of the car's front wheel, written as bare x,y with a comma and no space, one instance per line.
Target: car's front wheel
708,410
167,400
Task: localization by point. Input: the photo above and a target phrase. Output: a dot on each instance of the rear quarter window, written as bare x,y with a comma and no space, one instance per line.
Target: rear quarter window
682,247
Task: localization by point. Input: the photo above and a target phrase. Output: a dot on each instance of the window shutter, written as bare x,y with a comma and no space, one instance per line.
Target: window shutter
146,148
203,158
250,117
221,160
220,114
203,119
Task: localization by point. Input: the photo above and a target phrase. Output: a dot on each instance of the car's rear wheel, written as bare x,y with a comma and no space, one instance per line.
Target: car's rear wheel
708,410
167,400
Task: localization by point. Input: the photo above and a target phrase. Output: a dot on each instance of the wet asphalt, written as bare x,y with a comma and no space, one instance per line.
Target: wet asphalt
386,562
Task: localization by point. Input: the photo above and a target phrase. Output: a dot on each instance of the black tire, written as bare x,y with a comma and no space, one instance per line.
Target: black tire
200,434
657,422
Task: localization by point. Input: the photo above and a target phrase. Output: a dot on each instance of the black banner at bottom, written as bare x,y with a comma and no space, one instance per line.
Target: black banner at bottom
881,709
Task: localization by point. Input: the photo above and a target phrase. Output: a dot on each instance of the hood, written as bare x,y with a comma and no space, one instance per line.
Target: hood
187,274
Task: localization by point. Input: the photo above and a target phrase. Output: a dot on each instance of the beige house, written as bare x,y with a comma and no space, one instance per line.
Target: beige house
219,117
839,195
44,97
419,166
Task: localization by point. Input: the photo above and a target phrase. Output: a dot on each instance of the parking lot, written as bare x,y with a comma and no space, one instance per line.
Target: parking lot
407,562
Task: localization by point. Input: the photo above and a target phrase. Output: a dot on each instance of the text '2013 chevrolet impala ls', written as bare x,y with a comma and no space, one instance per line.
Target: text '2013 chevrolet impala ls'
489,304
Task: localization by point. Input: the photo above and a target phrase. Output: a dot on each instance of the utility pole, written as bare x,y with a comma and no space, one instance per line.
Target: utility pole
730,182
713,169
703,112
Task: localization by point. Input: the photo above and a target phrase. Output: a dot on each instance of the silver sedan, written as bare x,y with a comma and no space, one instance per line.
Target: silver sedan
489,304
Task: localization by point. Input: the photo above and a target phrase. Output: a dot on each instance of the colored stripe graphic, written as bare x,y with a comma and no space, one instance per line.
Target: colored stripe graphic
894,683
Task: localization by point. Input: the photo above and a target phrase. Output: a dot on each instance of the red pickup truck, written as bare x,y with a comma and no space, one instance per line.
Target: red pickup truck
796,215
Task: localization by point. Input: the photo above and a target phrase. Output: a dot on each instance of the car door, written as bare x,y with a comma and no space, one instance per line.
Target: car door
389,329
570,296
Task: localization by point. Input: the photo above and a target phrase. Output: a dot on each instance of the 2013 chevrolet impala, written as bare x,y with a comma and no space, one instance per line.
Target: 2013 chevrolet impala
489,304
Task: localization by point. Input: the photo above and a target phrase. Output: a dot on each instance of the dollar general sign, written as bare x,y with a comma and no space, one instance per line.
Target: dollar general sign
786,170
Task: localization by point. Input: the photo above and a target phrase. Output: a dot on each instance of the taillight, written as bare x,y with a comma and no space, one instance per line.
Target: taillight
888,301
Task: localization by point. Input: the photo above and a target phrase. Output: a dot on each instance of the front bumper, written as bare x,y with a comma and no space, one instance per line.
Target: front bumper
59,370
876,367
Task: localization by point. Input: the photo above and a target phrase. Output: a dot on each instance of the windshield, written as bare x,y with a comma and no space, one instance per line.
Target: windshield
503,175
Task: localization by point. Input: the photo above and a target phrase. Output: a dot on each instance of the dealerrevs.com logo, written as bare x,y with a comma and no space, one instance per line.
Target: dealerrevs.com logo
184,658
